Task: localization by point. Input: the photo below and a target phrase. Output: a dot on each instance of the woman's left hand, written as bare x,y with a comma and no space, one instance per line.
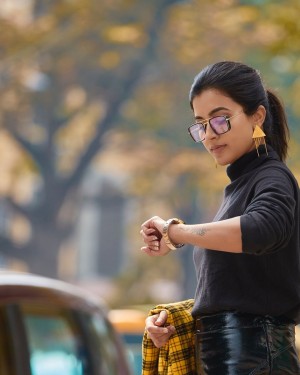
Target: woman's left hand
157,330
151,231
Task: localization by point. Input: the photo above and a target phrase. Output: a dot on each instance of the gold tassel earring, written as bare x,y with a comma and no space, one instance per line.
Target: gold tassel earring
259,137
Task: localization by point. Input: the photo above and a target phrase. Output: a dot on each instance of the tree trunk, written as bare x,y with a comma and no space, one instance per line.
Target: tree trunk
42,257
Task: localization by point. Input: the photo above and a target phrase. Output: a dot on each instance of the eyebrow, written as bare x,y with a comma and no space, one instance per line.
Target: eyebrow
212,112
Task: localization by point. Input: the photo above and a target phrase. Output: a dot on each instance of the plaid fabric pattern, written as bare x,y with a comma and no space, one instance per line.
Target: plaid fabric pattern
178,355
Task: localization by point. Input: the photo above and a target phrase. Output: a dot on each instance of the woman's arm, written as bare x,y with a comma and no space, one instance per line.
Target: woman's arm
222,235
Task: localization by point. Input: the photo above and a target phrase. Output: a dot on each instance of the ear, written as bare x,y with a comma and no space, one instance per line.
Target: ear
259,116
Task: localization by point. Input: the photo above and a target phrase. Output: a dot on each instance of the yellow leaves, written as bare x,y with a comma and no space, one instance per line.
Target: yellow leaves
220,29
154,169
294,156
285,13
128,153
73,138
266,32
109,60
18,12
278,27
20,229
9,100
11,156
16,174
295,95
231,21
45,24
35,132
75,98
125,34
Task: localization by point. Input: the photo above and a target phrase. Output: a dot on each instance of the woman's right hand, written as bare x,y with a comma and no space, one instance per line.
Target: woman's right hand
156,329
151,231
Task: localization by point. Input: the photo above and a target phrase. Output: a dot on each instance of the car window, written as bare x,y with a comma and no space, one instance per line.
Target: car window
134,348
55,346
130,323
105,344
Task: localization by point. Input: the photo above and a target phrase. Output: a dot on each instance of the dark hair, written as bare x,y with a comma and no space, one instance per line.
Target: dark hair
244,85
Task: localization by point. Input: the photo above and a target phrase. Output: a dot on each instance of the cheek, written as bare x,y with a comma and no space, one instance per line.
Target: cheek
249,127
244,132
205,146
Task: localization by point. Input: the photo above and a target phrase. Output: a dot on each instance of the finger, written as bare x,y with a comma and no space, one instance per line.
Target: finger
152,244
155,252
149,223
150,252
148,230
152,328
158,331
151,233
160,340
150,239
151,321
171,329
162,318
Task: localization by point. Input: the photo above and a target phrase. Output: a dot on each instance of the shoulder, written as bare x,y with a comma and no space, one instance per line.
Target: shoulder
275,173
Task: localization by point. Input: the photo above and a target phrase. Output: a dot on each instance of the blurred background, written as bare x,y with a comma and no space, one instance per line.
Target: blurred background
93,130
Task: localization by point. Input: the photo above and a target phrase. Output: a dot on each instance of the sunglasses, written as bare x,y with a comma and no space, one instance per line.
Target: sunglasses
218,124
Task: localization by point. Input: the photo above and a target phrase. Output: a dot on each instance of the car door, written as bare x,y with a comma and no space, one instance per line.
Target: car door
13,344
71,342
44,331
56,342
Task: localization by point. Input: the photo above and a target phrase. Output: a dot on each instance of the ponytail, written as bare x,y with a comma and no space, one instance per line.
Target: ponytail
277,132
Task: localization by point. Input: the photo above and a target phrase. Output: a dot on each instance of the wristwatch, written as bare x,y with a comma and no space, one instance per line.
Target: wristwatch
165,234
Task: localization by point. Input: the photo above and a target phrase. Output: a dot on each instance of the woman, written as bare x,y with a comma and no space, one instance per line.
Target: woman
247,260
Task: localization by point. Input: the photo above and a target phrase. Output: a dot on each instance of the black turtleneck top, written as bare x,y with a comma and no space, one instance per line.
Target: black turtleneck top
265,278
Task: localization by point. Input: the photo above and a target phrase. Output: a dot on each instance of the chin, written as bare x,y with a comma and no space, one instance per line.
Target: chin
222,163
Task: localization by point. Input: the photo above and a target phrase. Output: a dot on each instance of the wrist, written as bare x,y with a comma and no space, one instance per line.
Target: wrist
165,233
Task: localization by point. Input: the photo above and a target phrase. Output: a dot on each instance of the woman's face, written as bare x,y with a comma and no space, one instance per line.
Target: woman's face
230,146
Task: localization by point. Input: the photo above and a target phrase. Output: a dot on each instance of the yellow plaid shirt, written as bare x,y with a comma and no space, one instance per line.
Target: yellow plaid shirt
177,357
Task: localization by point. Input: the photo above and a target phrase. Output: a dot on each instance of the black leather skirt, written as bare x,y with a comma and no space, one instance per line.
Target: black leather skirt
243,344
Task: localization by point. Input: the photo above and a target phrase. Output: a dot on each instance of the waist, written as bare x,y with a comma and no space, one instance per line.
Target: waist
232,319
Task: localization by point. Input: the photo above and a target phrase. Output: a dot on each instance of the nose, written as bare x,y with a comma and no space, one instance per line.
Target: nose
209,134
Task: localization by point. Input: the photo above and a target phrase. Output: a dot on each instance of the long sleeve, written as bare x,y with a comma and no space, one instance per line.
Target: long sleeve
268,221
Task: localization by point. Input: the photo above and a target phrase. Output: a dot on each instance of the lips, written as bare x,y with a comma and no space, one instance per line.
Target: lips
217,148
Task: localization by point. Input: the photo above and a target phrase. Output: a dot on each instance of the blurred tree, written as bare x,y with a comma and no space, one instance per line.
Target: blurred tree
64,79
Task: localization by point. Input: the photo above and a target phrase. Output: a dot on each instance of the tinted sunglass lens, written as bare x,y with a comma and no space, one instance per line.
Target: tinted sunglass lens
197,132
219,124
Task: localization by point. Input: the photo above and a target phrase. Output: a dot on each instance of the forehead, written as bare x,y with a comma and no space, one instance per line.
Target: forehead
206,102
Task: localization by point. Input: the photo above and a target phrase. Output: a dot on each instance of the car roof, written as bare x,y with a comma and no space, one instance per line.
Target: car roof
18,286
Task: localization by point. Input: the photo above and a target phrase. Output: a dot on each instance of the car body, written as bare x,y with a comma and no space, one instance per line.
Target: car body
297,339
49,327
